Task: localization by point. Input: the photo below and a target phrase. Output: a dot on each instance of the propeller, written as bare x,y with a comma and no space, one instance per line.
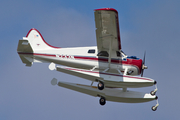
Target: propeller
143,64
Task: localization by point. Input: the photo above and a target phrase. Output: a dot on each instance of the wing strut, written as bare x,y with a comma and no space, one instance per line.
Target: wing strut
110,50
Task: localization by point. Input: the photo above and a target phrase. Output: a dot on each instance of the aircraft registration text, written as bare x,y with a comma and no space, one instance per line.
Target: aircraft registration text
65,56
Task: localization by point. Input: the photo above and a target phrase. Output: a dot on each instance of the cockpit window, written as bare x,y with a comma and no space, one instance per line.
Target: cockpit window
91,51
103,54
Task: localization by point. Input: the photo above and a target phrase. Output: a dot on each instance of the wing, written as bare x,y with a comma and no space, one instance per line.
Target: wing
109,79
107,32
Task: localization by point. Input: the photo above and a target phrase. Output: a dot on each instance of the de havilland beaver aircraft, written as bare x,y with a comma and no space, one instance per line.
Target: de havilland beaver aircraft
106,63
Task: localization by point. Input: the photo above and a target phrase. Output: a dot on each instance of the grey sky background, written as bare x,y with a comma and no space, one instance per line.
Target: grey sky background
26,93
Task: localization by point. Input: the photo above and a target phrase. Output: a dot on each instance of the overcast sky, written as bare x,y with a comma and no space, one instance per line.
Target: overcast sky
147,25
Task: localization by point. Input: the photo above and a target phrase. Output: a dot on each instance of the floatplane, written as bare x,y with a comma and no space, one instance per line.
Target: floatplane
106,64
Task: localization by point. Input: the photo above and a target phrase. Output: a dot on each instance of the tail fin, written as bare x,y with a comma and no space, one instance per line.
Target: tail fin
36,40
32,43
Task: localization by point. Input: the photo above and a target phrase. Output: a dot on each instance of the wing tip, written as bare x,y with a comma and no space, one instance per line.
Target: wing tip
108,9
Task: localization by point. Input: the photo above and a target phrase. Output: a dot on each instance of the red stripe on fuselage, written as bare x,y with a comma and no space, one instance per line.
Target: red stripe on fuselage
37,54
133,62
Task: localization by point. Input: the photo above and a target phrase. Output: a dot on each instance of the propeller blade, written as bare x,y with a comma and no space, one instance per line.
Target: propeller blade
143,64
144,58
142,72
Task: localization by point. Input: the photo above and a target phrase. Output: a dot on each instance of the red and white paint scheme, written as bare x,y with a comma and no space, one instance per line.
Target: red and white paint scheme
105,63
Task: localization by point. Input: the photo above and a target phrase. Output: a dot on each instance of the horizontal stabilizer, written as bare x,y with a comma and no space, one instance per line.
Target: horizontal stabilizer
26,60
24,46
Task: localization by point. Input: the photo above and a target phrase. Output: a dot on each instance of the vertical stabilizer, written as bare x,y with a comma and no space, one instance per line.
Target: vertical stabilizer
31,44
36,40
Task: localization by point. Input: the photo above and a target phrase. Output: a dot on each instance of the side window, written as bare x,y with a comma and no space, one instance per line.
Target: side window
103,53
91,51
118,54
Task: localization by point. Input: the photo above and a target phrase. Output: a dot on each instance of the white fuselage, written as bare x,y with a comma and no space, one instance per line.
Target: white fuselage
79,57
